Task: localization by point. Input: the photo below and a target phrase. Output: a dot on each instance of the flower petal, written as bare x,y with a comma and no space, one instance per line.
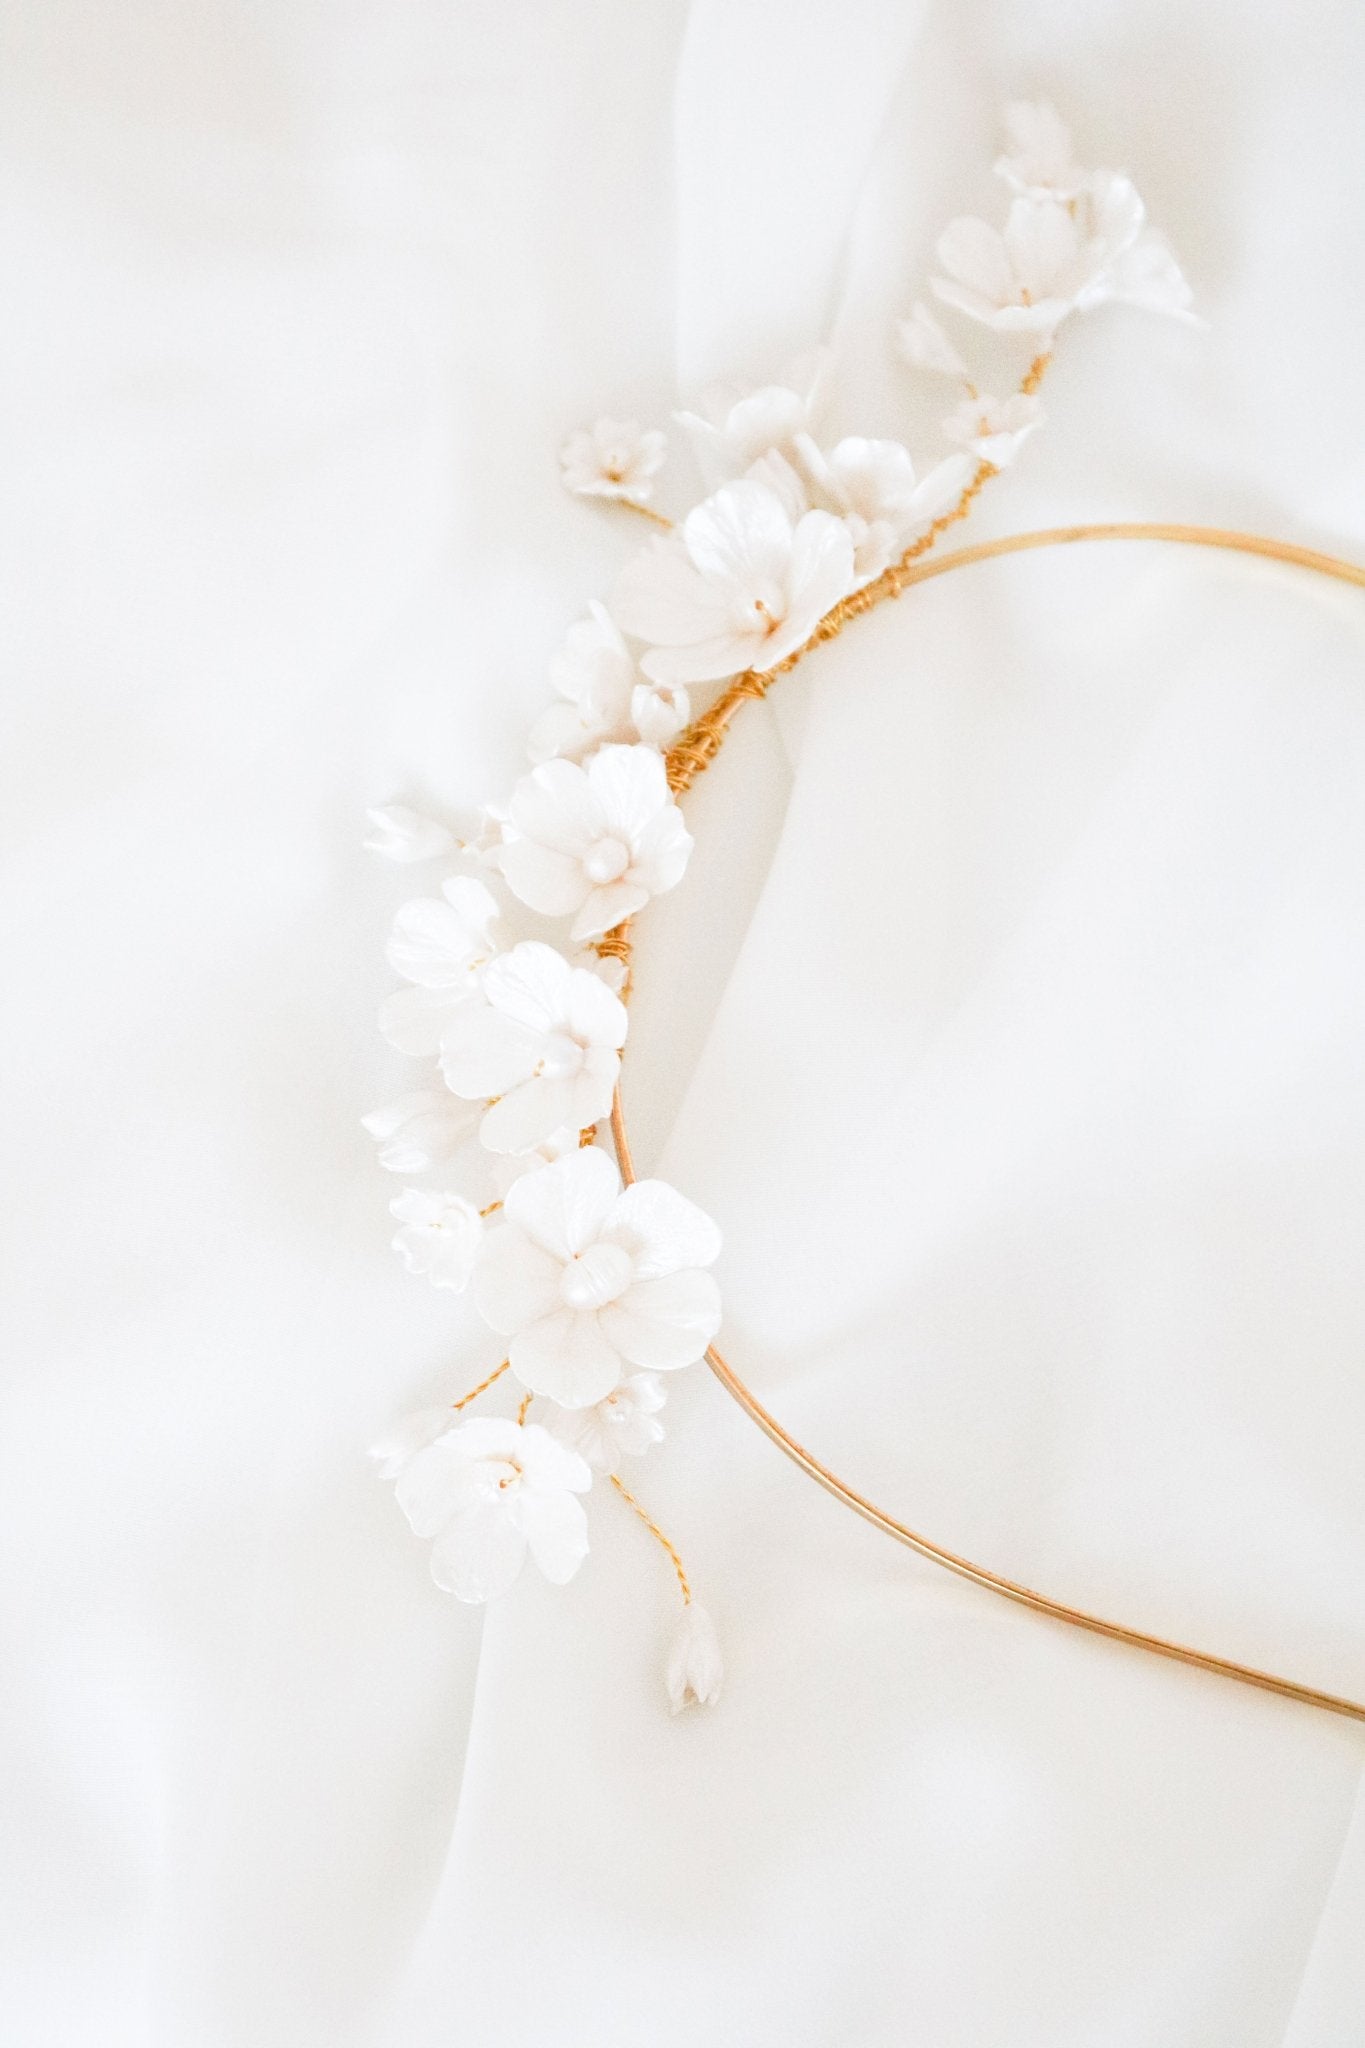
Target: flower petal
530,985
608,906
663,1323
740,535
483,1053
433,1485
543,879
480,1554
403,834
662,1230
556,1529
528,1115
515,1281
593,1014
566,1355
563,1208
554,804
629,787
661,599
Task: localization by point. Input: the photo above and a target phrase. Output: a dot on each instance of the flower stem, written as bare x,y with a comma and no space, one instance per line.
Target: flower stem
482,1387
659,1537
646,512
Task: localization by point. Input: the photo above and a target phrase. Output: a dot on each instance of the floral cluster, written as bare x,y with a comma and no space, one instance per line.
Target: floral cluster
514,965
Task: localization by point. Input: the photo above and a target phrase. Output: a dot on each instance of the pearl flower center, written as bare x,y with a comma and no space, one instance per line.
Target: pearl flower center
596,1276
562,1059
607,861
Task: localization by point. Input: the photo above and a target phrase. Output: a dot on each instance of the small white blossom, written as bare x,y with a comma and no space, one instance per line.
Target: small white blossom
439,944
1039,163
487,1491
743,587
613,459
694,1671
421,1130
542,1037
994,429
736,427
587,1280
595,842
439,1238
602,697
881,501
1053,260
405,835
923,342
623,1425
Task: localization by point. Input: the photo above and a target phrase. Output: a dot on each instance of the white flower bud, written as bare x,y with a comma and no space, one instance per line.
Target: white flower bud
694,1671
405,835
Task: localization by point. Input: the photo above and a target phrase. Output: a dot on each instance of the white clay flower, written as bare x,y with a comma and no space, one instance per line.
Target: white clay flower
923,342
602,697
487,1491
883,504
743,587
405,835
1039,163
1053,260
439,944
544,1038
625,1424
613,459
694,1671
440,1235
736,427
421,1130
595,842
587,1280
1027,278
994,429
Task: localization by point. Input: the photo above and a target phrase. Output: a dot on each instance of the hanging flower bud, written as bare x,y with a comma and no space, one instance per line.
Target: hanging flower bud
694,1671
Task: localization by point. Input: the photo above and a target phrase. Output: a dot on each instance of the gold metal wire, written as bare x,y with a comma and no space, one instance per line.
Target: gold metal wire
694,752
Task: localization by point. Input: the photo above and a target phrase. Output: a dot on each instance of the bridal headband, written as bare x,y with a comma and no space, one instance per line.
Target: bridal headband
596,1285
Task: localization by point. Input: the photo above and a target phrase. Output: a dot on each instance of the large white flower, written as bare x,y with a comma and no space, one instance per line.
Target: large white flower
1039,163
994,429
424,1129
612,459
542,1037
439,944
440,1236
623,1425
880,499
587,1280
736,427
486,1492
743,587
595,842
602,696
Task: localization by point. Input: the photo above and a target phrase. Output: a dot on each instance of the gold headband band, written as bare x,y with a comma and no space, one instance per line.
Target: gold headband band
692,753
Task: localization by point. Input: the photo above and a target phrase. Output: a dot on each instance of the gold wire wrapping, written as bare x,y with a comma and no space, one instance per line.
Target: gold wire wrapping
691,755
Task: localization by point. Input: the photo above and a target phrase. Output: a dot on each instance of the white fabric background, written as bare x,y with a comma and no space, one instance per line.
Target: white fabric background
1013,1002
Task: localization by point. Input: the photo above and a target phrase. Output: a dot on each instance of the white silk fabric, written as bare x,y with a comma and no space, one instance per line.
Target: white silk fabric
1009,1021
